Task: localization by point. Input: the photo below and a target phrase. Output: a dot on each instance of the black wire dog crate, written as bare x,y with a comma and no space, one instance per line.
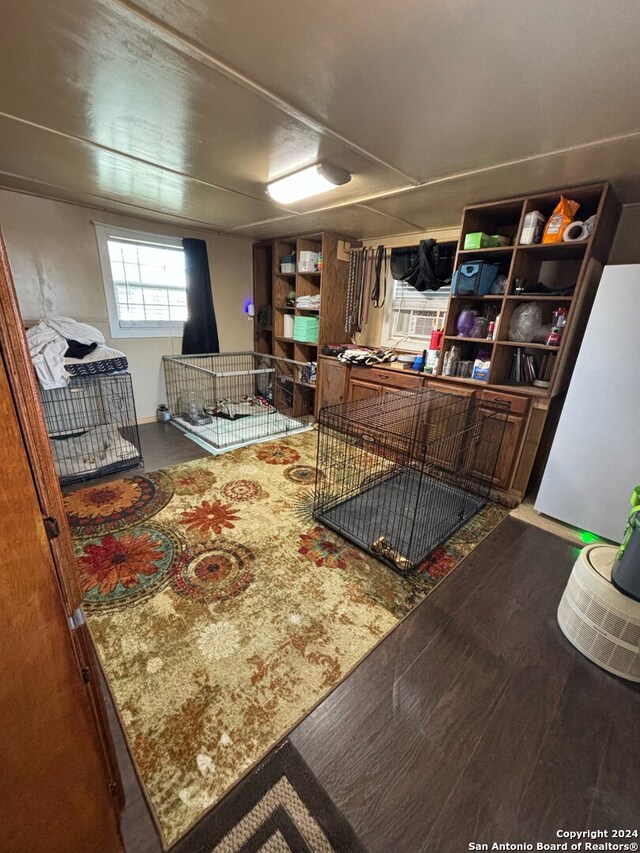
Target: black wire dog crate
228,400
92,426
400,472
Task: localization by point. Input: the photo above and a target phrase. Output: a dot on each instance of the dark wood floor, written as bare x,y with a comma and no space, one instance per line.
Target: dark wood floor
474,721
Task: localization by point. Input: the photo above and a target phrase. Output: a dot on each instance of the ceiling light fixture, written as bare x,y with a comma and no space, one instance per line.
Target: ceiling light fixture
307,182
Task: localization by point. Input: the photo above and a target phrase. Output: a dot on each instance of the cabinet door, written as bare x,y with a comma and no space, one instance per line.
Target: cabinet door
486,455
332,382
53,789
359,390
444,428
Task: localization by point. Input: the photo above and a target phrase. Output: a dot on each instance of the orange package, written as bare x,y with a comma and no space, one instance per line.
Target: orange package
559,219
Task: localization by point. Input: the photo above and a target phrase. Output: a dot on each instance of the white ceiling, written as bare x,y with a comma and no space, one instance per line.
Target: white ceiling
184,109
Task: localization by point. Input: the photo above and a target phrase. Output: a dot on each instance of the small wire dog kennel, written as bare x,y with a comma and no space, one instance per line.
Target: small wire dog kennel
92,426
400,472
227,400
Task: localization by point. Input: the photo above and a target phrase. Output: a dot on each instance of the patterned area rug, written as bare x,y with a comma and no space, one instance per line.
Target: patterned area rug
223,613
280,807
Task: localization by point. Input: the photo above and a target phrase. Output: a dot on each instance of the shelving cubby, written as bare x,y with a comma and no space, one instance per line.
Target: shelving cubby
329,283
572,268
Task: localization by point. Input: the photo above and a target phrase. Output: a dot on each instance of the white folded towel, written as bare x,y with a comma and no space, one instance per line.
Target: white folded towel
48,344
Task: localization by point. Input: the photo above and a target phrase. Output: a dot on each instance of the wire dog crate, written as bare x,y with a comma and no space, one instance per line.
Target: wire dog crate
400,472
228,400
92,426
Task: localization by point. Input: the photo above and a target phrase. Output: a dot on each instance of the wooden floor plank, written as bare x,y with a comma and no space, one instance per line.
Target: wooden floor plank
484,805
562,787
617,794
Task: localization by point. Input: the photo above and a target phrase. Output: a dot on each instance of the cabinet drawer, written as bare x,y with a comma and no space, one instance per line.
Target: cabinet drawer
519,405
386,377
450,388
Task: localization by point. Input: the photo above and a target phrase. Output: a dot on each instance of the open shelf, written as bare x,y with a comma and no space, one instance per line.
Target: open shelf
521,388
538,297
464,380
555,251
558,266
491,252
522,345
488,341
486,298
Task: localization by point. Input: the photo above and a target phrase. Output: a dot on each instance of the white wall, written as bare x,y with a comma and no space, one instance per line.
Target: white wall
54,258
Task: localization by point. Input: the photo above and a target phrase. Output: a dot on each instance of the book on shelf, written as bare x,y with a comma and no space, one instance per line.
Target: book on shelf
525,370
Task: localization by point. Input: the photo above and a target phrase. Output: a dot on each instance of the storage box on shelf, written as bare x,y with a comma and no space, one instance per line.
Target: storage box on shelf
285,290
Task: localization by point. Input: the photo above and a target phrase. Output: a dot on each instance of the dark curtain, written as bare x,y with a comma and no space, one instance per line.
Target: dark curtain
428,266
200,331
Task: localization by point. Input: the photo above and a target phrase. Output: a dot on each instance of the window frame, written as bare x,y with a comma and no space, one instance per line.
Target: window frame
402,342
132,328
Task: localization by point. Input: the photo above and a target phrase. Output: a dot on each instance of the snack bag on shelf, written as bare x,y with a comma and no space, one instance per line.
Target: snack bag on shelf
559,219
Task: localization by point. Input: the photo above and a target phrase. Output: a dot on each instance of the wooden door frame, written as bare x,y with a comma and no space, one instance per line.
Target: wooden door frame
22,381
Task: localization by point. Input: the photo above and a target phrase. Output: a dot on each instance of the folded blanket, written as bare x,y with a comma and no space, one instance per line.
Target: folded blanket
48,343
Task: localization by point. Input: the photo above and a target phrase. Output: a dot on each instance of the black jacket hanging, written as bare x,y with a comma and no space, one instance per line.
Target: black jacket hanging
200,333
428,266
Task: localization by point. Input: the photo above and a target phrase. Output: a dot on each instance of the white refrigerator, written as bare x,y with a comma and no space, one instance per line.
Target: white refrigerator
594,463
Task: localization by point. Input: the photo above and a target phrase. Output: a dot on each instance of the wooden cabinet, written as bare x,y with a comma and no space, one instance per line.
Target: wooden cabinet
359,390
445,451
279,291
547,275
369,381
487,459
446,388
333,378
59,784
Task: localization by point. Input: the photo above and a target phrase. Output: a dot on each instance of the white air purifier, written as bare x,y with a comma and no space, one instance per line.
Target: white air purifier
597,619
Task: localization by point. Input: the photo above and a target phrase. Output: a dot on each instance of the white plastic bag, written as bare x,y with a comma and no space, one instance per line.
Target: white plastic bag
525,322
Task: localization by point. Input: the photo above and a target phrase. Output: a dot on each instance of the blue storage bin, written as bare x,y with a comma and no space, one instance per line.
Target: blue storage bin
474,279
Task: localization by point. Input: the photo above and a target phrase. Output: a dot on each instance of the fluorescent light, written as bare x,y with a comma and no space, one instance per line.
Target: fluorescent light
307,182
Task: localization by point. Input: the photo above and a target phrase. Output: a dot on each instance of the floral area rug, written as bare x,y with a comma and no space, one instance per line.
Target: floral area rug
223,613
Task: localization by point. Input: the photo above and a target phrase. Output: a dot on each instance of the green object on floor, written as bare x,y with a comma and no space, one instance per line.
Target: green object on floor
589,538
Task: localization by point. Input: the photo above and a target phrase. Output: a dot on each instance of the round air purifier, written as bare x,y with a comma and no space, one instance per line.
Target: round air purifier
597,619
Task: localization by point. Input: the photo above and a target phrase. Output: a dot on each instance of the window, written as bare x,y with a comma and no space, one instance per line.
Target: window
144,282
411,315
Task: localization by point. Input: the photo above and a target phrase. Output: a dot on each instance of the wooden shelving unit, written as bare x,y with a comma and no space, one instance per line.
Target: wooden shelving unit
272,287
557,265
